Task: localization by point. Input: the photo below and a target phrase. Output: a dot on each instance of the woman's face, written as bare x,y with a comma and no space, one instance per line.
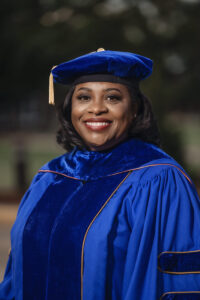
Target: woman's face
102,113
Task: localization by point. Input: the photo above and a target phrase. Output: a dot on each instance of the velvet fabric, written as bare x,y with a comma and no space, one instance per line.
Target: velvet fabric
107,78
120,64
126,156
182,296
94,223
54,229
37,236
180,262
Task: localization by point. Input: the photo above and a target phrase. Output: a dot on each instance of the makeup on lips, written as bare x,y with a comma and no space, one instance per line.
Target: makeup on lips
97,124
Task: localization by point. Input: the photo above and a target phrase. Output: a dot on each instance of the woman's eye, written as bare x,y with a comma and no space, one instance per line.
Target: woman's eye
83,97
114,98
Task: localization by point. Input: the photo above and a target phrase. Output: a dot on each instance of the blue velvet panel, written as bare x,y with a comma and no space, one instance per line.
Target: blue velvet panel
182,296
180,262
56,228
87,165
37,233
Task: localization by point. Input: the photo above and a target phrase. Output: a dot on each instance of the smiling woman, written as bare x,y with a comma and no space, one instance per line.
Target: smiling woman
115,218
122,98
102,113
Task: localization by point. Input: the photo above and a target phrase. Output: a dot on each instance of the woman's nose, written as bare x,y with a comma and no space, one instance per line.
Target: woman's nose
98,107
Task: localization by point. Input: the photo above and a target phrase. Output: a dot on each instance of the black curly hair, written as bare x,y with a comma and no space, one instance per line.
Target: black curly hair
144,126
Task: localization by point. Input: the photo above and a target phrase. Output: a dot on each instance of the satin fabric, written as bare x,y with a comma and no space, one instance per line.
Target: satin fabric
108,215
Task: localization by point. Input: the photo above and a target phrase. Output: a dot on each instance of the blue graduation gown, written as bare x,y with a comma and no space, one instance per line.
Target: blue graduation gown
120,225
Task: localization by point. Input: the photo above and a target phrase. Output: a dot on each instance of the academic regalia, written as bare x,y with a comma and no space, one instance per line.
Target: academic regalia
122,224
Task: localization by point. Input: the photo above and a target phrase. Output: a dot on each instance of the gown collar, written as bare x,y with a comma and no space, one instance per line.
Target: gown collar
85,165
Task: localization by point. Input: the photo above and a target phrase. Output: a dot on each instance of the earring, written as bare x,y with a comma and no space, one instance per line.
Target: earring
135,115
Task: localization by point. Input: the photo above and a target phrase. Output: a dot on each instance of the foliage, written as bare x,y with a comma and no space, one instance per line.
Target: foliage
37,34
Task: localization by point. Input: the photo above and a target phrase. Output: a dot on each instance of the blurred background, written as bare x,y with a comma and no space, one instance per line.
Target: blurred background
38,34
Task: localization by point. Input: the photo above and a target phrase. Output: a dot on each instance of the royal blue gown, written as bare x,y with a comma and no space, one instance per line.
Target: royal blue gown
117,225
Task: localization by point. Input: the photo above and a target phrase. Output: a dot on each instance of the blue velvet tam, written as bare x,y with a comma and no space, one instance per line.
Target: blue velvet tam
121,64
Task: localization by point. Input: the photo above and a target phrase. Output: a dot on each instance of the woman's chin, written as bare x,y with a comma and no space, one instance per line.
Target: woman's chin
104,145
98,146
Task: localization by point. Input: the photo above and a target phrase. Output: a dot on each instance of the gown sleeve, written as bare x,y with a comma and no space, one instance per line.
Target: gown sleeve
6,287
6,291
163,255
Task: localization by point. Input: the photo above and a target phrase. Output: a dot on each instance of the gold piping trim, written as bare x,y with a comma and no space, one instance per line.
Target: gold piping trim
154,165
130,170
83,243
58,173
177,273
179,252
185,292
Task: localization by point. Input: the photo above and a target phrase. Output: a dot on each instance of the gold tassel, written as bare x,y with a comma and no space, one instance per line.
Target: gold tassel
100,49
51,88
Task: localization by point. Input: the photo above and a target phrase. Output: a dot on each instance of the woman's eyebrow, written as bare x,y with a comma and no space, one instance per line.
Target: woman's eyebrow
105,90
84,88
111,89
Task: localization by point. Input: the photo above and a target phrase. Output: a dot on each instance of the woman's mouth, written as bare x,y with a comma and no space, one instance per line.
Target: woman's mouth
97,124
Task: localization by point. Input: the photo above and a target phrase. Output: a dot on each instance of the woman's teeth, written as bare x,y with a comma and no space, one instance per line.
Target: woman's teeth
97,123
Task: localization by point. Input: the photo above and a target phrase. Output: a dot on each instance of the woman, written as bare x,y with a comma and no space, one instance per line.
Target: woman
115,217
